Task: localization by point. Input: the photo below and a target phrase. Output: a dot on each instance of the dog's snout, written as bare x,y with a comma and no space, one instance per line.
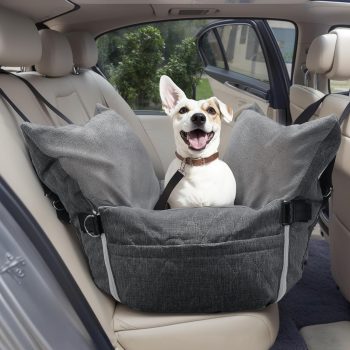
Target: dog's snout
198,119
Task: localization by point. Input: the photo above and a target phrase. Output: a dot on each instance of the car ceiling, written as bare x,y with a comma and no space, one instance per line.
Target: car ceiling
98,16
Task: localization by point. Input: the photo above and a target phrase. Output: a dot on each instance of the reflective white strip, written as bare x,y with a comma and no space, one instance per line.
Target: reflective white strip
111,282
283,281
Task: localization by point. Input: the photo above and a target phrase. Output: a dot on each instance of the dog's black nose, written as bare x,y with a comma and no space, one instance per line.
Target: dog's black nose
198,119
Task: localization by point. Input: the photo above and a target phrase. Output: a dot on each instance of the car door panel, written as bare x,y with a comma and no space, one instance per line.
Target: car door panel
244,65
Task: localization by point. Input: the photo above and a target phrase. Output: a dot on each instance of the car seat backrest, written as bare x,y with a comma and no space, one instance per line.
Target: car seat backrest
329,55
339,224
24,49
85,56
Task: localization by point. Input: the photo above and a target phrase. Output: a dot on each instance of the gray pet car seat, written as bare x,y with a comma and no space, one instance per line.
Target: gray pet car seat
193,259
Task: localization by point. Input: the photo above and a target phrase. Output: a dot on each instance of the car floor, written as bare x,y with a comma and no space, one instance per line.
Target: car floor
314,300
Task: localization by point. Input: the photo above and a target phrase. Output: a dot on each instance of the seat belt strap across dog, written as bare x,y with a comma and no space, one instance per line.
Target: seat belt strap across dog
180,173
163,200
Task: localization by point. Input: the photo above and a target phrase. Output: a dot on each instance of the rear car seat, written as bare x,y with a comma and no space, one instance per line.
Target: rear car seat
76,96
329,55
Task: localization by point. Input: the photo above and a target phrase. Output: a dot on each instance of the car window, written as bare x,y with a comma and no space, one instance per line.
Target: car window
285,35
241,47
134,58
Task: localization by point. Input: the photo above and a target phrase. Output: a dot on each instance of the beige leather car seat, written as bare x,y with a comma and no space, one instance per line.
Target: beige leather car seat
76,96
329,55
318,62
339,225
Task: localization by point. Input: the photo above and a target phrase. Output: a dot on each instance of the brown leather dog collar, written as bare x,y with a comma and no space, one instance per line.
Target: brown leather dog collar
198,161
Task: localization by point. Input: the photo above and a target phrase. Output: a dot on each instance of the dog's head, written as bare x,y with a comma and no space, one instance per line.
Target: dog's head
197,124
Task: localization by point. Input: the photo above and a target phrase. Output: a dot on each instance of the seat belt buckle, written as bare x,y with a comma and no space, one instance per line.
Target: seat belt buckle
296,210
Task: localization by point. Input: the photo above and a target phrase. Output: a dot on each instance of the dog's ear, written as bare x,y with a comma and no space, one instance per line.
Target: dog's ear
225,110
170,93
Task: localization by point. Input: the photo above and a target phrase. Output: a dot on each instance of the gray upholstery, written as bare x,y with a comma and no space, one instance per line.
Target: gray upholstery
194,259
273,161
100,163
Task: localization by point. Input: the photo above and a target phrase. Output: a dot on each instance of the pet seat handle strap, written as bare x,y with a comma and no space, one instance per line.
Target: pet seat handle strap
40,97
163,200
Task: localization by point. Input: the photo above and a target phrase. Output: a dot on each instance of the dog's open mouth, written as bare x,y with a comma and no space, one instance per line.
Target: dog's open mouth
197,139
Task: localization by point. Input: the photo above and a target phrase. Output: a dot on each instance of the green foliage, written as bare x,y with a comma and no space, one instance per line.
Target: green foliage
141,54
108,53
203,89
184,66
134,59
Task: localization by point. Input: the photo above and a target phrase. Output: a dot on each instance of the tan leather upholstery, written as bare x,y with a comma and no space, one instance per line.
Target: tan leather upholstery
76,96
19,41
341,68
329,54
57,58
321,52
300,97
245,330
339,227
84,49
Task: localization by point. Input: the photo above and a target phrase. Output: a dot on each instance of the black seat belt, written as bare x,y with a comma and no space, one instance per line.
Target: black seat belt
309,111
53,197
326,177
39,96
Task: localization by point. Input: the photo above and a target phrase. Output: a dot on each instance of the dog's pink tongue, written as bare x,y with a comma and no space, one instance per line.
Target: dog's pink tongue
197,139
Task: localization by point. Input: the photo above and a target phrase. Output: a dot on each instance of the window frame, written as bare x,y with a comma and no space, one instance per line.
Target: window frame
216,20
276,67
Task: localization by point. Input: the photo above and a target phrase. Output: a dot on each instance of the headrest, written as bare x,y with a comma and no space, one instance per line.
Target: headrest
19,40
329,54
320,55
84,49
57,58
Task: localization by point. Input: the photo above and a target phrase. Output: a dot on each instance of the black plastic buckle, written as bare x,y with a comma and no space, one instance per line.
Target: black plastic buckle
296,210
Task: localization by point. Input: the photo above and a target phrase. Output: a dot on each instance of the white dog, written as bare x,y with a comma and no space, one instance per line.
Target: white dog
208,181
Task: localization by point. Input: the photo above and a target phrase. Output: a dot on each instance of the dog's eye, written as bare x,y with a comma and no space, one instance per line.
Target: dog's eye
211,110
183,110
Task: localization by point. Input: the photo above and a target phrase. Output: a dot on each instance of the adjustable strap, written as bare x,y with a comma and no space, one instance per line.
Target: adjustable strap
16,109
39,96
345,114
309,111
61,212
296,210
163,200
326,177
91,224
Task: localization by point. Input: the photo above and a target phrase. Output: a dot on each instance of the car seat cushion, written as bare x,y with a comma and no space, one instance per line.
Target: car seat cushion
100,163
190,259
271,161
